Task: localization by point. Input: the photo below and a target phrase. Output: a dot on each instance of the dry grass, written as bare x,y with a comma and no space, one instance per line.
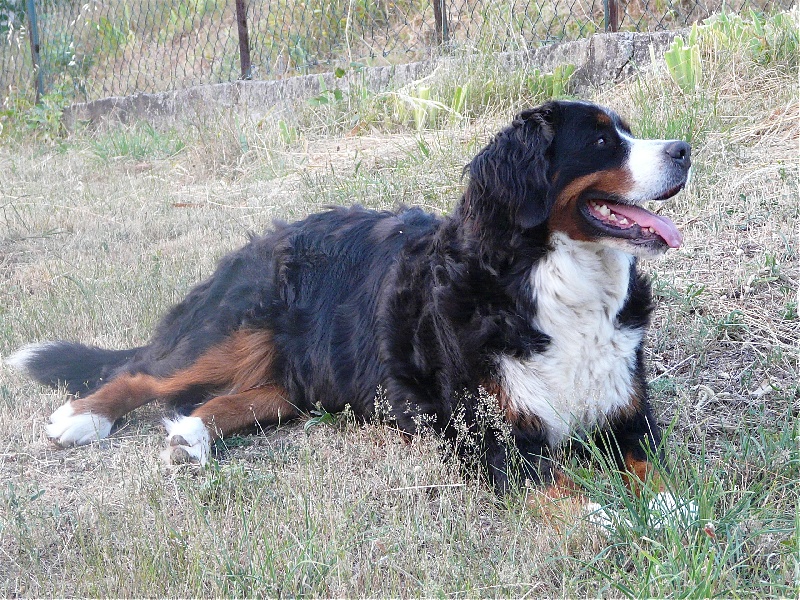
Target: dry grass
101,232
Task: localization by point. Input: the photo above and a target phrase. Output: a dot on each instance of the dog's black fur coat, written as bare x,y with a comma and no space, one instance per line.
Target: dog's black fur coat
417,305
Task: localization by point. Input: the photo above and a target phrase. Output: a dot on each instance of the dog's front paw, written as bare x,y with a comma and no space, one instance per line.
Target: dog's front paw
188,442
605,519
666,511
68,428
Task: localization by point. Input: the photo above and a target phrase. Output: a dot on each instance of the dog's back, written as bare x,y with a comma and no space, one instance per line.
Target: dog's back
315,284
336,271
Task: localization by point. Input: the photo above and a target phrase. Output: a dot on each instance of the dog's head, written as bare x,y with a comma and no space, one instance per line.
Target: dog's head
575,168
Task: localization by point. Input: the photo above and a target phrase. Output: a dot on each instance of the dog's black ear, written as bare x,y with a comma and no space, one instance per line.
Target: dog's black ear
511,173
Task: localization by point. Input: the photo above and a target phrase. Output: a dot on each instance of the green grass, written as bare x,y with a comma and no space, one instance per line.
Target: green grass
101,231
140,142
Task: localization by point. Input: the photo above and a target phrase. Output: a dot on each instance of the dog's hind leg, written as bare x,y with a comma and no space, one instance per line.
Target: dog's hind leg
189,438
242,362
84,420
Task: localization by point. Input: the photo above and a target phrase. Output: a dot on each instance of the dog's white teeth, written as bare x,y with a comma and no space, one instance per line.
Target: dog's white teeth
651,230
612,217
604,210
623,221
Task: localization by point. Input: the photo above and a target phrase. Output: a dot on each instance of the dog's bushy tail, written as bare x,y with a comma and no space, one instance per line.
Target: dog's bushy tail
81,369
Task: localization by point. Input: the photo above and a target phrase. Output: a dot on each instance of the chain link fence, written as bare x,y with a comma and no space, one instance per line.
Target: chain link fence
93,49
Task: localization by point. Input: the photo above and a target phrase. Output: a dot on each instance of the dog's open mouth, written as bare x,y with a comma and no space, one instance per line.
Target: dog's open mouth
633,223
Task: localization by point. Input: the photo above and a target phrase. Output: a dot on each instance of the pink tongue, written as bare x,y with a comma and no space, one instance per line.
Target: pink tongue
662,225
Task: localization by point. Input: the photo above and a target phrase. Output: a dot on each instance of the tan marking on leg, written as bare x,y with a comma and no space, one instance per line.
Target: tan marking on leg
562,487
265,405
560,502
119,396
641,474
239,363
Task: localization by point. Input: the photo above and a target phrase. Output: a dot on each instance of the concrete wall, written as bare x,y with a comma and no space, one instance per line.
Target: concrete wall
600,59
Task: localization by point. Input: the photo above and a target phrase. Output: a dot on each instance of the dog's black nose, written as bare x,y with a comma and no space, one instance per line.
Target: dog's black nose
680,152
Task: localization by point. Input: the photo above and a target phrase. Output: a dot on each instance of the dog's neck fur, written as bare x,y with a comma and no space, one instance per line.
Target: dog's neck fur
582,284
584,376
502,248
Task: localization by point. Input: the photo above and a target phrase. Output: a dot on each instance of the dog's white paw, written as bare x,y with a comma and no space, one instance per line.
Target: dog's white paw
604,519
67,428
188,441
665,511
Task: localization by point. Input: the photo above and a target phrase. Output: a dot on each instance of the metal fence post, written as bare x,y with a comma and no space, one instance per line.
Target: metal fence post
244,39
611,15
440,16
34,38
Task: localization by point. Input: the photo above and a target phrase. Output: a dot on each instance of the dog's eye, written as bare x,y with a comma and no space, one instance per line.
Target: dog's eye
601,141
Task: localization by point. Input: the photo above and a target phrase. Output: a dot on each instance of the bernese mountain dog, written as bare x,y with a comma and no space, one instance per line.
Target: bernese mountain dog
527,298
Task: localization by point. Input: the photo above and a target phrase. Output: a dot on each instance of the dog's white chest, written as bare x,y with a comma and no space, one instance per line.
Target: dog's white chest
586,373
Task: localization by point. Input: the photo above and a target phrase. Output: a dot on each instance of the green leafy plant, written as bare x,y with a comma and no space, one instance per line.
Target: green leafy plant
767,38
790,311
12,14
459,102
321,417
21,115
114,34
288,133
551,85
424,110
326,96
683,62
